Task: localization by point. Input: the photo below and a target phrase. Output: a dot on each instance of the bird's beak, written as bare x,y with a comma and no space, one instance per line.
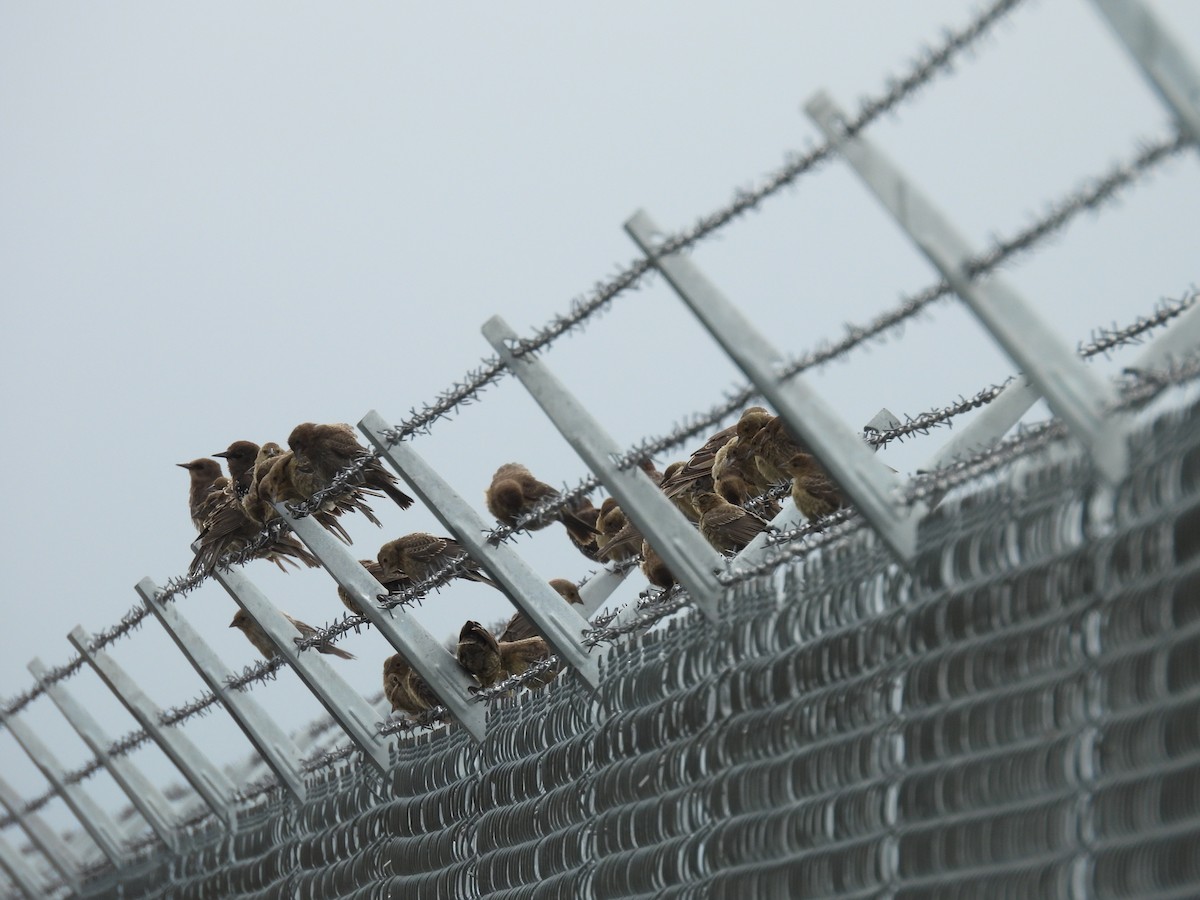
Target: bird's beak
233,624
222,455
183,465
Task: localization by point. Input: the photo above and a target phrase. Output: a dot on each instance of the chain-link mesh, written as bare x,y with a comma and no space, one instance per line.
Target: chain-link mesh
1016,714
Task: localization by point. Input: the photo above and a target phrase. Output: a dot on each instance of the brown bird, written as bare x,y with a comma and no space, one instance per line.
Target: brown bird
696,473
256,636
813,491
654,568
326,450
227,529
519,627
682,498
514,492
585,541
376,571
287,480
479,654
405,689
773,445
206,480
517,656
419,555
725,526
240,456
490,661
611,522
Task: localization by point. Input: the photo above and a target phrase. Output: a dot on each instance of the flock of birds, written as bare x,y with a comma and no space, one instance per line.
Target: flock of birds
712,488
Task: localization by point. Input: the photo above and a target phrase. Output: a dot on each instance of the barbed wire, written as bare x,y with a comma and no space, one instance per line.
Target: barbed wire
429,719
929,63
505,686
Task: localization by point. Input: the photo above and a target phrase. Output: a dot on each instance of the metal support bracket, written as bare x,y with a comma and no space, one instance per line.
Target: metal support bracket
95,821
146,798
344,703
208,781
869,484
1180,339
677,541
272,743
1078,396
42,836
20,872
555,620
1160,56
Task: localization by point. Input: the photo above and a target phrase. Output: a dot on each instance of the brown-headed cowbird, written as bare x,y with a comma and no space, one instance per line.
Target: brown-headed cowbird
517,656
654,568
725,526
287,480
328,449
479,654
419,555
585,541
375,570
813,491
227,529
773,445
254,633
519,627
240,456
682,498
609,523
206,483
405,689
514,492
696,473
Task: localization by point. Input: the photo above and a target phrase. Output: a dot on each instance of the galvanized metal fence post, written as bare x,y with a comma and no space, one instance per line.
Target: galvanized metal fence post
1078,396
91,816
693,561
61,857
556,621
1161,57
142,793
275,747
399,628
869,484
208,781
344,703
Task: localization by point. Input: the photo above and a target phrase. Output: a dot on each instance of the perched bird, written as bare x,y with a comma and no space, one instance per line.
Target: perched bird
514,492
682,498
585,542
517,656
376,571
813,491
283,478
773,445
206,479
240,456
519,627
405,689
256,636
418,556
612,520
725,526
479,654
326,450
625,543
490,660
696,473
654,568
227,529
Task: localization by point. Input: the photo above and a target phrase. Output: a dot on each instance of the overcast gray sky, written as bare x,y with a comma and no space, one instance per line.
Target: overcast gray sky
220,220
